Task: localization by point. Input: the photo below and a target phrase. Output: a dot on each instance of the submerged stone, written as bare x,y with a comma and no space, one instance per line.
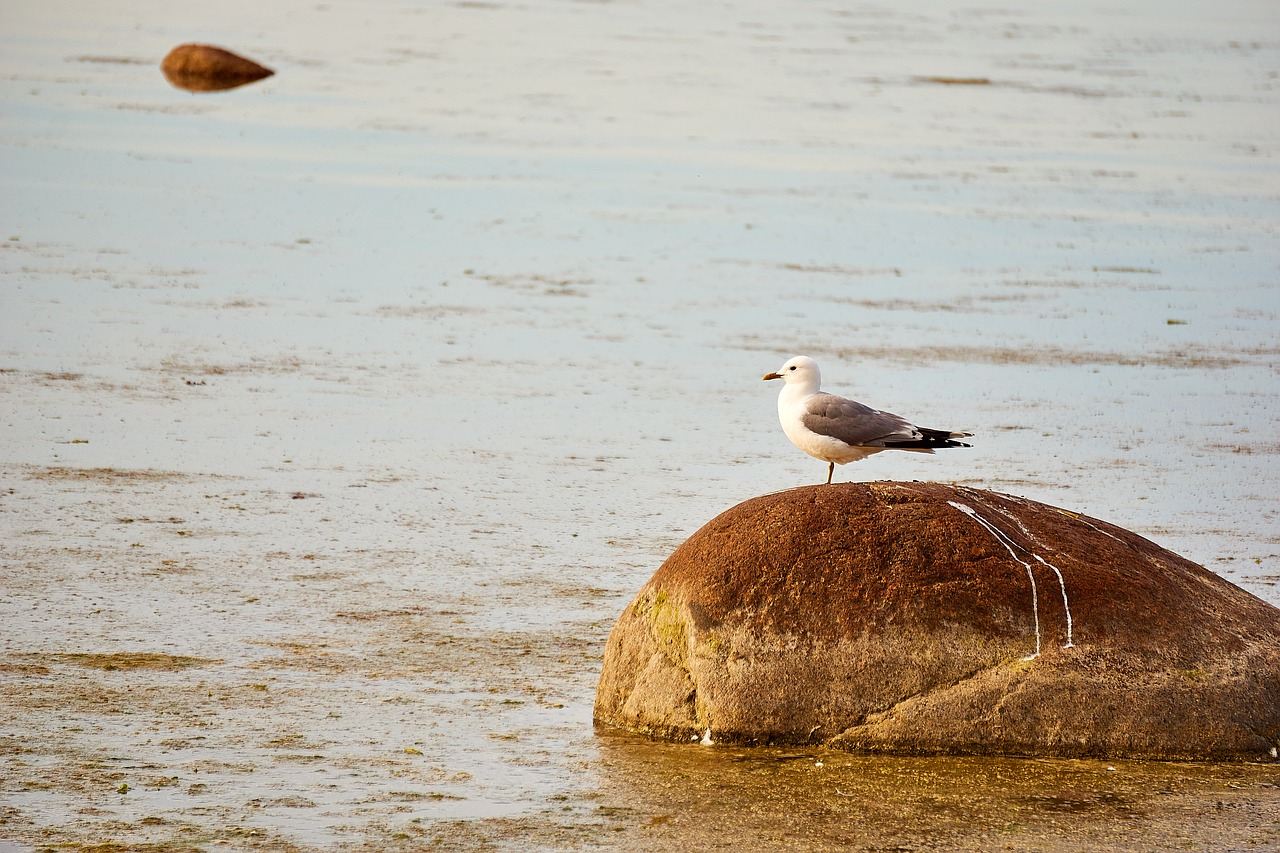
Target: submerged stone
920,618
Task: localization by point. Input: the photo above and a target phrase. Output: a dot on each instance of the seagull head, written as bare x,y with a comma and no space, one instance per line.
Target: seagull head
800,370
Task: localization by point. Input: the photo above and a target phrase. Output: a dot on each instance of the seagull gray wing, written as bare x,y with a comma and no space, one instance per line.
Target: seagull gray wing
856,424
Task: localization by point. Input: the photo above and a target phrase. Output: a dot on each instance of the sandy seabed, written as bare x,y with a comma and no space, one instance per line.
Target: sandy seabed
341,414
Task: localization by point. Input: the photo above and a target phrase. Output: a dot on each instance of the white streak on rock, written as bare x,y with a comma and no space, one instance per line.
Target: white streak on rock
1014,519
1099,529
1066,605
1009,544
1000,537
1031,537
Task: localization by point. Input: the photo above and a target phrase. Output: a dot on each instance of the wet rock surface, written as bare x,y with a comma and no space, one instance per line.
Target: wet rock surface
920,618
208,68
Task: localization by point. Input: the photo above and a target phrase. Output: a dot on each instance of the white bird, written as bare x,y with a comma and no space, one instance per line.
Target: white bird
837,430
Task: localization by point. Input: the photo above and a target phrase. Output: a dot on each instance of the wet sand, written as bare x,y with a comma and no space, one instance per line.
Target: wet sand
343,413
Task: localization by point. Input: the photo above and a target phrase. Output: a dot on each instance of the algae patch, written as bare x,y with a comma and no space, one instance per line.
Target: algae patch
111,661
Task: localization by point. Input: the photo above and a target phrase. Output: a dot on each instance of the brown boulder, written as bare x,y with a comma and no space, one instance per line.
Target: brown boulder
206,68
922,618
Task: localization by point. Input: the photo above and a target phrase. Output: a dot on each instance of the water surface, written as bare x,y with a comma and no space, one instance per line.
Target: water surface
343,412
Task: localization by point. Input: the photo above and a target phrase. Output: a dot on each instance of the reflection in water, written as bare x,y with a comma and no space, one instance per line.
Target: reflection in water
821,799
205,68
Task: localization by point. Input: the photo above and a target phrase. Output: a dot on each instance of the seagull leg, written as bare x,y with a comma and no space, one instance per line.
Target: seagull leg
831,469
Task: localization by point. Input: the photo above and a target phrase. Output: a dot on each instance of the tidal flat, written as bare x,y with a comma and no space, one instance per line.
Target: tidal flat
342,413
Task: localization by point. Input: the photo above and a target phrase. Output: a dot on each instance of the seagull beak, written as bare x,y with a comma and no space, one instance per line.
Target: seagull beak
769,376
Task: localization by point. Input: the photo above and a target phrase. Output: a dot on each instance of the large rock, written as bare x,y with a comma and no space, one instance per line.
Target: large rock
922,618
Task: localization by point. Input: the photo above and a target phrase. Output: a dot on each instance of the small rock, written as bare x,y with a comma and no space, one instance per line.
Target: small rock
205,68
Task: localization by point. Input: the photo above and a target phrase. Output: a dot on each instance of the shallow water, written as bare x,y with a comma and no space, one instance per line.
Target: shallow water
344,412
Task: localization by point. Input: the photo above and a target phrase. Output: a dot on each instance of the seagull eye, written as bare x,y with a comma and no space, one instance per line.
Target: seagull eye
793,367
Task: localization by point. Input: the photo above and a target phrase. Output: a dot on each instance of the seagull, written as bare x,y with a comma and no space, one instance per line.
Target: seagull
837,430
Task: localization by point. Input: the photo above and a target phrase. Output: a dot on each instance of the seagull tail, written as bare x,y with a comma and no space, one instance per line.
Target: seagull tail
931,439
